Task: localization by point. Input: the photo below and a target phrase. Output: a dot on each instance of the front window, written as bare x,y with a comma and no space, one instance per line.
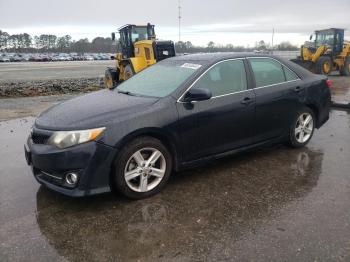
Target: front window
159,80
224,78
325,39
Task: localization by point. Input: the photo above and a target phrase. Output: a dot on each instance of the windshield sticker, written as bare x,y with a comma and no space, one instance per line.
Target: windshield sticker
191,66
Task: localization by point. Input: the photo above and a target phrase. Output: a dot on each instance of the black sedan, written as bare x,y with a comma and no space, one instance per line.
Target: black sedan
174,115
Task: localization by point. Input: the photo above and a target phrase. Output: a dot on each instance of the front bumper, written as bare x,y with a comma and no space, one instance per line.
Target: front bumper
92,161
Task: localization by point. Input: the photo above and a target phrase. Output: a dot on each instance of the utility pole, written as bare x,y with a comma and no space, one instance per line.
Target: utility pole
180,20
273,35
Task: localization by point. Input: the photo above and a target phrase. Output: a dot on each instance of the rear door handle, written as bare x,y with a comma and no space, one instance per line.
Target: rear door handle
247,101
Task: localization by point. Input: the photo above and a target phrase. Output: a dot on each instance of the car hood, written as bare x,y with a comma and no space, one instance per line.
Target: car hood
92,110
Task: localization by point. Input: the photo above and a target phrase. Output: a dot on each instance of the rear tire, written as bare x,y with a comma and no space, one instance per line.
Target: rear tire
302,128
324,65
142,168
128,72
345,71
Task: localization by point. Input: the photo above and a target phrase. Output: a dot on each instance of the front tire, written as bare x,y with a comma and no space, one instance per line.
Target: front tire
142,168
324,65
110,79
302,128
128,72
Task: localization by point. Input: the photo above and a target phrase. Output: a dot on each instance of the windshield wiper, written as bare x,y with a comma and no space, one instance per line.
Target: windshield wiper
125,92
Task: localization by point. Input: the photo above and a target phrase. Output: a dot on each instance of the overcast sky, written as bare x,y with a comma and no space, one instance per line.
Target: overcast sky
221,21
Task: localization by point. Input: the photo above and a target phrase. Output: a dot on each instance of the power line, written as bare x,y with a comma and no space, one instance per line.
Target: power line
179,20
273,35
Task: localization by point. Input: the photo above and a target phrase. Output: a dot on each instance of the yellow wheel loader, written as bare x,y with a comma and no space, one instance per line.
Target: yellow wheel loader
139,49
328,52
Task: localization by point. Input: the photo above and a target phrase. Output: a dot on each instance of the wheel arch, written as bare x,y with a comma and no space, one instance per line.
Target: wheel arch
316,112
158,133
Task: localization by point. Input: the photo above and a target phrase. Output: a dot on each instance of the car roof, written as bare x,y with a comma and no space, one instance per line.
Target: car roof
207,59
212,57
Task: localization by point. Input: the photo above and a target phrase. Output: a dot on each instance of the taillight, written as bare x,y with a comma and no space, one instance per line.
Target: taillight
329,83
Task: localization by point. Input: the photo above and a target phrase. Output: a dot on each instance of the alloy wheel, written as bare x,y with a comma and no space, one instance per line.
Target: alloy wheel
304,128
145,170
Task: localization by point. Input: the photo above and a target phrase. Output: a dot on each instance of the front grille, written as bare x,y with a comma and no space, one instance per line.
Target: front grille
40,139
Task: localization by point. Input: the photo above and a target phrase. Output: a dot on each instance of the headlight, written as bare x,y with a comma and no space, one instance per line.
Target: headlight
64,139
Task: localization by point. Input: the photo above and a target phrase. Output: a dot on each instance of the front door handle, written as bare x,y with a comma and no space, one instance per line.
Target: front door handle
247,101
298,89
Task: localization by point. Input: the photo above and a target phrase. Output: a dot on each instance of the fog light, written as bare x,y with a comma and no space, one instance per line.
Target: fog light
71,178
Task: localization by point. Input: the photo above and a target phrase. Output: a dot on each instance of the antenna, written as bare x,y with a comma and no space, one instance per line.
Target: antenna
179,20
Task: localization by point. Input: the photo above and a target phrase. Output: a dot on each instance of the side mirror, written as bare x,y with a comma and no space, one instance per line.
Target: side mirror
113,36
311,36
197,94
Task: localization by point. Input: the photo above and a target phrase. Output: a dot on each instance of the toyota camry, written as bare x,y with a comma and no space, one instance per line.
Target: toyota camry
176,114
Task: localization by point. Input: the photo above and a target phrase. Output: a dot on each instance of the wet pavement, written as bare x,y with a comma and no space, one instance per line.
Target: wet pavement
274,204
340,88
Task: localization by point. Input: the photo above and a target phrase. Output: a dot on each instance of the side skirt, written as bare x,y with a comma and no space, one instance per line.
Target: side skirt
202,161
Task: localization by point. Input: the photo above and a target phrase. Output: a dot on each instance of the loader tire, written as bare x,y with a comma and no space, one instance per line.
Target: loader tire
324,65
128,72
110,79
345,70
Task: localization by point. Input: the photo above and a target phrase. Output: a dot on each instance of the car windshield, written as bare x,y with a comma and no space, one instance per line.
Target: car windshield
159,80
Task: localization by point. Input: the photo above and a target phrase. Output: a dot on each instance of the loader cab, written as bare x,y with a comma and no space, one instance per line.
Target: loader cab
130,34
139,49
333,37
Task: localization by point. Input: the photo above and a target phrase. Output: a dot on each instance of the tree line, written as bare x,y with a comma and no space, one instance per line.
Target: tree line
52,43
188,47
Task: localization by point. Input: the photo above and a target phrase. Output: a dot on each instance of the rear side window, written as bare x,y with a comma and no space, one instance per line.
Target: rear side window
290,75
267,71
224,78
